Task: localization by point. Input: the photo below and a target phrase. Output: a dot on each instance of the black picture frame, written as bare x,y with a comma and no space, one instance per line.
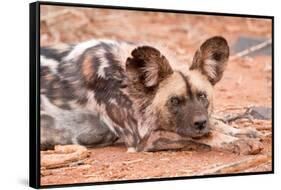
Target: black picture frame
34,93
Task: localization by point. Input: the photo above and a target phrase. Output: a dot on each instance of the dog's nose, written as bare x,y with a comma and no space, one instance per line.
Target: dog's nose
200,122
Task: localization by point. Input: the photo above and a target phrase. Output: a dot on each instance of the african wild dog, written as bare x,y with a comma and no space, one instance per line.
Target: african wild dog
99,91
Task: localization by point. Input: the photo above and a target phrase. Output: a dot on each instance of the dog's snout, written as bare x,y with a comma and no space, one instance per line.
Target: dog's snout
200,122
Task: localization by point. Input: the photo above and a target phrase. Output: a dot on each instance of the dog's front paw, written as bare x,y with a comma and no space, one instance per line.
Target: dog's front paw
248,133
245,146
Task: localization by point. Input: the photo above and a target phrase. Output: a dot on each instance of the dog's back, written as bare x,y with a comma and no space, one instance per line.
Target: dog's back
81,87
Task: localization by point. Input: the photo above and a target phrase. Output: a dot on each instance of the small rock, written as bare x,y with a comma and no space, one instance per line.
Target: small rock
260,112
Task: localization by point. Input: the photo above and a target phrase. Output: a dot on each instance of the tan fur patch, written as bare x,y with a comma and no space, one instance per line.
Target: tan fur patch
199,82
174,85
58,102
87,67
49,77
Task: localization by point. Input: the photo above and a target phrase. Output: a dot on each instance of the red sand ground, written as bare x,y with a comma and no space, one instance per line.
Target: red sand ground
246,82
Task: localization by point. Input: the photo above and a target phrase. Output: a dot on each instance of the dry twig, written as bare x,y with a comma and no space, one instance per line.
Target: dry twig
132,161
237,166
251,49
63,156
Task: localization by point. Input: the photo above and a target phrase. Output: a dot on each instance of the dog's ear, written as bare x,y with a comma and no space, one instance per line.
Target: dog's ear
211,58
147,67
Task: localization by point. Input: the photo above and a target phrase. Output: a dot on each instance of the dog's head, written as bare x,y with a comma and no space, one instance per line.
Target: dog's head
178,101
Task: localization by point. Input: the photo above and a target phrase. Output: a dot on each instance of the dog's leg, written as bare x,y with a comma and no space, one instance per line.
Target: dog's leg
165,140
221,141
50,135
225,137
248,132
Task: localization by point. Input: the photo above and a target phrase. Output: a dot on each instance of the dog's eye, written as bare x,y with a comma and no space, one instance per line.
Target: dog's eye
174,101
202,95
203,99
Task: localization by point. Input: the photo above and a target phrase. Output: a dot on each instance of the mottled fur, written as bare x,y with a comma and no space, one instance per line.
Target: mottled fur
98,91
